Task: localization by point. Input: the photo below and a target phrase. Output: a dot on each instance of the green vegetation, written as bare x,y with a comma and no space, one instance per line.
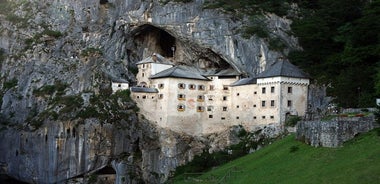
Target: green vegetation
91,51
206,160
290,161
10,84
37,37
340,41
2,56
292,120
109,107
58,87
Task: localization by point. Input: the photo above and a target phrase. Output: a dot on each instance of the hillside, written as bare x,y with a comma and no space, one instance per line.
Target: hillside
290,161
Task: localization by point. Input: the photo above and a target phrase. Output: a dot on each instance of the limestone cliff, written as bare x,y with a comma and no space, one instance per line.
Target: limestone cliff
58,58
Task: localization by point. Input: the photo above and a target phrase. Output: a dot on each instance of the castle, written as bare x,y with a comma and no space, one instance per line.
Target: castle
198,101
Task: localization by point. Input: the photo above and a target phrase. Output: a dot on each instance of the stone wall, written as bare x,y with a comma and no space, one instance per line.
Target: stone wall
333,133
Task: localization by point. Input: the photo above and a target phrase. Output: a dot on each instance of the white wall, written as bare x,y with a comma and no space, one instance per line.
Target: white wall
116,86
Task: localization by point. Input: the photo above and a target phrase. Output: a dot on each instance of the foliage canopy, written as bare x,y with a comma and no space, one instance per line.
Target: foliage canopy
340,41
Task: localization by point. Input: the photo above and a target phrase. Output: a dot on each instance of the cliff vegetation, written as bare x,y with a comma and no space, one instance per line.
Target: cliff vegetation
339,40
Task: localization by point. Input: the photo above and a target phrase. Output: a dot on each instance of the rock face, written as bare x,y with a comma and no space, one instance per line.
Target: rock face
332,133
57,57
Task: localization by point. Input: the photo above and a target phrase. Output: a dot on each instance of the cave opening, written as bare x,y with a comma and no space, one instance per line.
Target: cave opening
155,40
103,1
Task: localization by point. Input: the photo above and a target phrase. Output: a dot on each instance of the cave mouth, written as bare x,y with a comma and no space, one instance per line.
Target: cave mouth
149,39
155,39
103,1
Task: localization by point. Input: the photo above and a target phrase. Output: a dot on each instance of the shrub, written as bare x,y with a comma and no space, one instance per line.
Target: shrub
90,51
2,55
293,149
52,33
10,84
292,120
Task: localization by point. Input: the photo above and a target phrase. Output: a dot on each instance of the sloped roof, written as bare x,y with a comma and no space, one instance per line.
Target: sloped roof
221,72
244,81
119,80
160,59
144,90
180,72
283,68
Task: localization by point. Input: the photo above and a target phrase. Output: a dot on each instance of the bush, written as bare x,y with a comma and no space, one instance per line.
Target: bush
292,120
52,33
10,84
91,51
294,149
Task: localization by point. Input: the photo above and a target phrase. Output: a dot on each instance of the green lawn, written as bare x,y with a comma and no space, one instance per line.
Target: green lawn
290,161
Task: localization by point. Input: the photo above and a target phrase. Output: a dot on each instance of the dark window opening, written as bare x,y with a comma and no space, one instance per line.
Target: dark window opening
210,116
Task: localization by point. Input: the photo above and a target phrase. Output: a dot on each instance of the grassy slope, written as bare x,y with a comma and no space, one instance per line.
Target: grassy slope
358,161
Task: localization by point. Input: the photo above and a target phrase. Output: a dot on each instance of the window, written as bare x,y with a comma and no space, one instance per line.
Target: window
254,105
138,97
222,118
255,92
263,117
289,103
144,96
143,66
181,86
119,85
237,117
181,107
200,109
254,117
237,94
224,98
201,87
200,98
160,86
263,90
152,97
224,108
143,74
272,103
210,116
271,117
209,108
237,106
262,103
212,87
272,89
191,86
160,96
290,89
181,97
225,87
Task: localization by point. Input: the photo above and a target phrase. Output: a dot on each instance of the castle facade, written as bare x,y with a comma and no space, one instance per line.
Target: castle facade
195,101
